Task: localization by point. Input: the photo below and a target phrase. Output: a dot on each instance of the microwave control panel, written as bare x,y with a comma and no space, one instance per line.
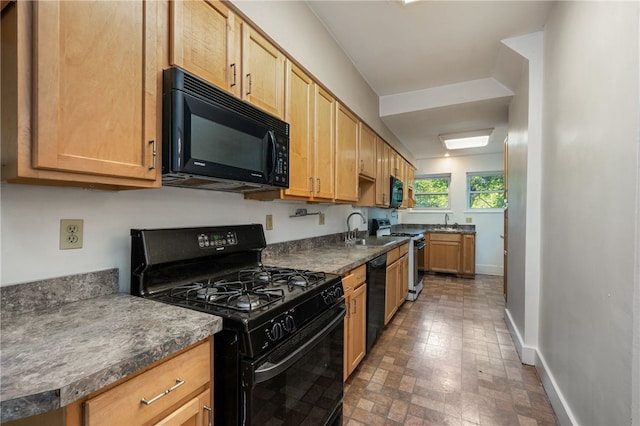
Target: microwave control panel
281,172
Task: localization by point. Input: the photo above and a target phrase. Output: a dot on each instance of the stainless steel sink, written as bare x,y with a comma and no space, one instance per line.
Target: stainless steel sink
370,242
445,229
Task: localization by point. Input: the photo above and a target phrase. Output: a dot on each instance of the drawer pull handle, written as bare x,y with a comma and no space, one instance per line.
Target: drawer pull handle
179,382
209,413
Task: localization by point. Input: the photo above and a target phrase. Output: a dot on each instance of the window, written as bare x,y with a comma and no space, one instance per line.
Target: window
485,190
432,191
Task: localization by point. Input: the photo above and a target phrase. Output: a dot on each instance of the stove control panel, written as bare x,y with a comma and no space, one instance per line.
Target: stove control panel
217,240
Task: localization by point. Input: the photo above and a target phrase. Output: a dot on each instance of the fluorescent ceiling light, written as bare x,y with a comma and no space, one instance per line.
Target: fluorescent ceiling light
464,140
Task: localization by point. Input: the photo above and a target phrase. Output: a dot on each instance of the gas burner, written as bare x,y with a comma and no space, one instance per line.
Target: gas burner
298,280
247,302
262,276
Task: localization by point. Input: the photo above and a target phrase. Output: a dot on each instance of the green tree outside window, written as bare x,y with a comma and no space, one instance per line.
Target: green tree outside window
432,191
485,190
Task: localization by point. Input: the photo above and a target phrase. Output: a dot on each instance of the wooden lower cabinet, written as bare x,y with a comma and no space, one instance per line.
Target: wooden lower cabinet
196,412
468,261
390,295
397,283
450,253
355,322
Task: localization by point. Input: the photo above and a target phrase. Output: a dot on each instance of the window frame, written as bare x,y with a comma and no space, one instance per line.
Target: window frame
469,192
433,176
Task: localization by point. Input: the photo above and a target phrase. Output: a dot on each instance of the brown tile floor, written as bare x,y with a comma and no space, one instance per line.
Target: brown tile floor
447,359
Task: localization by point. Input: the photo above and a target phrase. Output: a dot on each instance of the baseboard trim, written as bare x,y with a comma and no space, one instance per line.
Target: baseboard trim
559,404
526,353
489,270
531,356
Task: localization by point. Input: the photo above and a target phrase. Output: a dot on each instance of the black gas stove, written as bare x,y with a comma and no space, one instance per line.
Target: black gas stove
276,321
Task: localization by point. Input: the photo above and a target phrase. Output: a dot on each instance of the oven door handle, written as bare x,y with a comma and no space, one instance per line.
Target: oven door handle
420,245
269,370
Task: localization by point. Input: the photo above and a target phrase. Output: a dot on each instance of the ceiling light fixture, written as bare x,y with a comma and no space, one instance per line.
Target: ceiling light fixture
474,139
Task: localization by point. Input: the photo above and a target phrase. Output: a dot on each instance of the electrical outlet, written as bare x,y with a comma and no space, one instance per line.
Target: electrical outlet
321,218
468,219
269,222
71,233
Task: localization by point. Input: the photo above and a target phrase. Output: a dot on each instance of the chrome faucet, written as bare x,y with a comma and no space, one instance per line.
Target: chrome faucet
364,220
446,219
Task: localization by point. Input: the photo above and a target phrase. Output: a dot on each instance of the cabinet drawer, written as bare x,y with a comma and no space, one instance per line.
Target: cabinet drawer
404,249
349,283
445,237
360,273
123,403
393,255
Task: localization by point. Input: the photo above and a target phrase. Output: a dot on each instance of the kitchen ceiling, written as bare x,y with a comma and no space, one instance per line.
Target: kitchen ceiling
438,66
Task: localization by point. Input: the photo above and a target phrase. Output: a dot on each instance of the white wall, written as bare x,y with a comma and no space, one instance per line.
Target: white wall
489,225
31,221
590,218
30,215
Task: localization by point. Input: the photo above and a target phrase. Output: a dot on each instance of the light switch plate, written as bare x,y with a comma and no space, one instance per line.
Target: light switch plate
269,222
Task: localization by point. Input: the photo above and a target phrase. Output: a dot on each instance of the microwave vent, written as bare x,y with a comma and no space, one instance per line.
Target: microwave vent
211,184
202,89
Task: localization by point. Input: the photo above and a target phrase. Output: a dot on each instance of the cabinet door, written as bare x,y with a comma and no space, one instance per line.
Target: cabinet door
324,125
444,256
382,173
205,41
346,152
299,115
263,69
356,346
403,276
468,255
367,152
196,412
390,294
96,77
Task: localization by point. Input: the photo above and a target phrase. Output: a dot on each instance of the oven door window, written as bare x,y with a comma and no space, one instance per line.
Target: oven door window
299,383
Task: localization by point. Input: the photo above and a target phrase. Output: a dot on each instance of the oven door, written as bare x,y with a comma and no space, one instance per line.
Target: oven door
299,382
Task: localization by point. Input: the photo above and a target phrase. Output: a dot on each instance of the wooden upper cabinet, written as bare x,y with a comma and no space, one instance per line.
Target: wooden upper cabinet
206,40
263,70
299,115
95,90
324,138
346,155
382,173
367,151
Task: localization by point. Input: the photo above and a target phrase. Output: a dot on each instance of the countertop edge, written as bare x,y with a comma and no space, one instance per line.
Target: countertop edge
50,399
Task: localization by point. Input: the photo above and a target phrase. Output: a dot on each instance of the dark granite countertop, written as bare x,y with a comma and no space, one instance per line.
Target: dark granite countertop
333,257
56,353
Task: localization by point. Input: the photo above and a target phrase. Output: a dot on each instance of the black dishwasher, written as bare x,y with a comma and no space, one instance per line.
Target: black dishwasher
376,283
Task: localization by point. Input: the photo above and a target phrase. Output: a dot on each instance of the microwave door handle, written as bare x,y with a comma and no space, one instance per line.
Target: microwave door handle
272,142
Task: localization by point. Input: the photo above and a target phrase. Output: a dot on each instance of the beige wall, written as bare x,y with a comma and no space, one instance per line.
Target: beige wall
590,201
517,210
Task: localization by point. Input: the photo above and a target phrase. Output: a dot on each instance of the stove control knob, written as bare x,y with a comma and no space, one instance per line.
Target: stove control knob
289,324
276,332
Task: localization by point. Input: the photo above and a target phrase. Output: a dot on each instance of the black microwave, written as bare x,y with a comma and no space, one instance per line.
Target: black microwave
396,191
213,140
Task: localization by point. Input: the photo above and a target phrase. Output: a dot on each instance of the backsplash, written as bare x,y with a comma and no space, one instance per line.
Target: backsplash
53,292
306,243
